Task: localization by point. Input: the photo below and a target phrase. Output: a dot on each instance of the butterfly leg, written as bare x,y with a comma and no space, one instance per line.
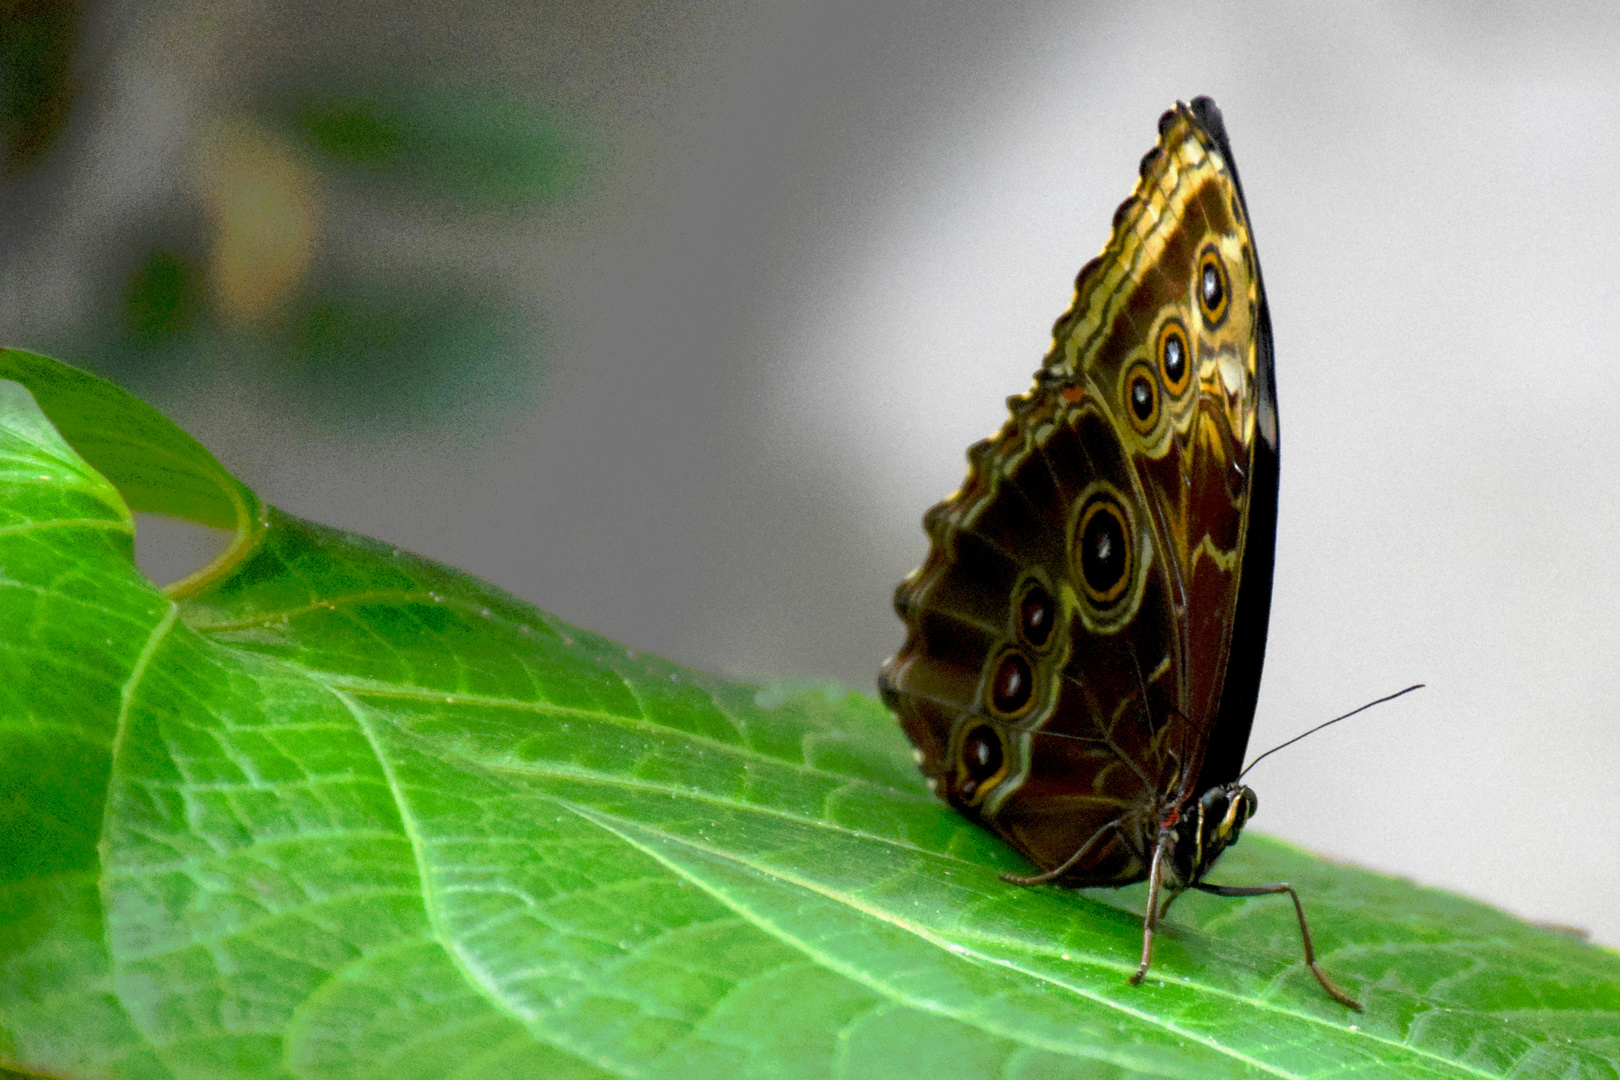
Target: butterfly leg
1304,931
1150,920
1058,871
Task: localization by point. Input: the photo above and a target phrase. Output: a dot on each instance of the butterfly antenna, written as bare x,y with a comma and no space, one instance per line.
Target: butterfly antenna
1319,727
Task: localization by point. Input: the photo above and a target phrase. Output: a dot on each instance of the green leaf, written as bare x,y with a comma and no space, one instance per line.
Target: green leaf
39,44
156,467
333,810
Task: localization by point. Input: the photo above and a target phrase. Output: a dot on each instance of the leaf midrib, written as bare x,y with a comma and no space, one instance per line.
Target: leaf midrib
440,932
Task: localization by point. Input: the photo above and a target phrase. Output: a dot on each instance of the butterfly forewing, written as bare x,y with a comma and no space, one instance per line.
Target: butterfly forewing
1069,634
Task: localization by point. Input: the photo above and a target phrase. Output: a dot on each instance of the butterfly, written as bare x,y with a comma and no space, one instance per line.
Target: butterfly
1085,638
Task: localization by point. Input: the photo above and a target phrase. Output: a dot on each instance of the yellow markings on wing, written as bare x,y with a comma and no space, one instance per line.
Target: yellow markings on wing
1225,560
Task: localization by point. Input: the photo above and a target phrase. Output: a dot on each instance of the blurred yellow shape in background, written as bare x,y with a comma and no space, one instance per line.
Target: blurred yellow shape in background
263,202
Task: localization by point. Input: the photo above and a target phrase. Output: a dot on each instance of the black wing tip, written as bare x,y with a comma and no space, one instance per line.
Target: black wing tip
1208,114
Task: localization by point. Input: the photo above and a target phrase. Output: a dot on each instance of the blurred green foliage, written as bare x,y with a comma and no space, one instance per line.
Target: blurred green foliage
373,355
374,349
394,355
165,298
479,149
37,43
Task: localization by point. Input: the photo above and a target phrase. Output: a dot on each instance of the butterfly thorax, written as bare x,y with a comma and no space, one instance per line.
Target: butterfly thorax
1206,829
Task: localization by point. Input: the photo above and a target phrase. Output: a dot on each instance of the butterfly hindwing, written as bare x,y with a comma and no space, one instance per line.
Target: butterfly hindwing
1070,632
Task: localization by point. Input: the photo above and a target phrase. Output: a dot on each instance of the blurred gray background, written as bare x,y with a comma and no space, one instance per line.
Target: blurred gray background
673,317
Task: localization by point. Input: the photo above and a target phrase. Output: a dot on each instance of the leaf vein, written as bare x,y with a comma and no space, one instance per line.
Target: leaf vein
476,978
882,987
26,528
606,821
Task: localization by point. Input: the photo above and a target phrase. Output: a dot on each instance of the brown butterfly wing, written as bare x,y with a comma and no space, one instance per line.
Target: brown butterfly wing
1070,632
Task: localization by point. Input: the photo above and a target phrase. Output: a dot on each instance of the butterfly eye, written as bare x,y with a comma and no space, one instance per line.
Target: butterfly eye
1036,613
982,759
1216,804
1175,366
1142,398
1212,287
1103,550
1012,685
